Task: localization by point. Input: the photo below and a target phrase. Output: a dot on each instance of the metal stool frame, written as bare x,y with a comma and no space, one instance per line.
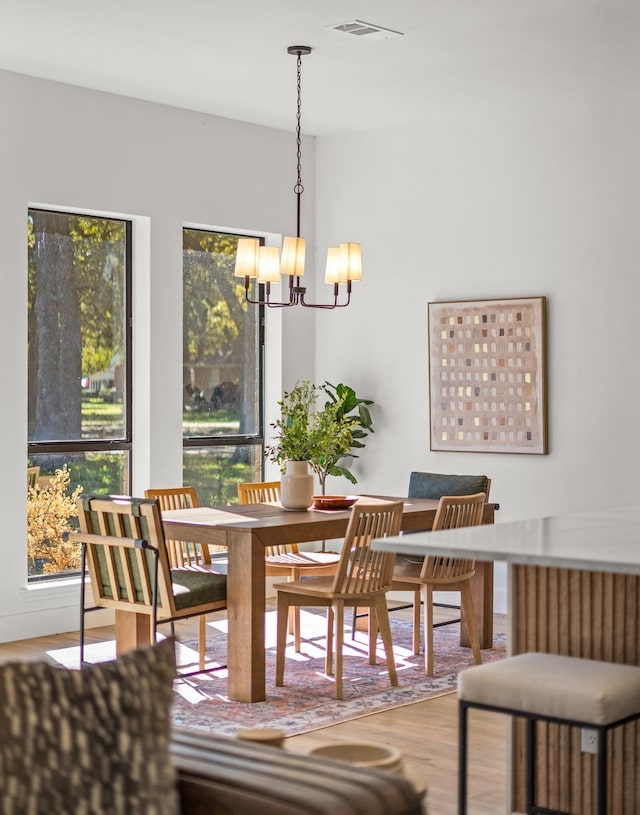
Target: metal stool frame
530,753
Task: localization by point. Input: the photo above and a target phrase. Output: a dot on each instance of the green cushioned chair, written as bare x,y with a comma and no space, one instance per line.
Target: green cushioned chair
125,551
435,485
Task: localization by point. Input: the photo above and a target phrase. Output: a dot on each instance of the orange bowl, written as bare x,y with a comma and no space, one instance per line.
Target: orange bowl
334,501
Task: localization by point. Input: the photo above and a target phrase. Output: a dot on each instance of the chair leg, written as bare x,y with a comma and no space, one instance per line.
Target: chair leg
416,621
339,638
202,640
354,620
281,635
294,613
467,605
462,758
328,659
295,624
427,600
382,614
83,574
530,764
602,772
372,635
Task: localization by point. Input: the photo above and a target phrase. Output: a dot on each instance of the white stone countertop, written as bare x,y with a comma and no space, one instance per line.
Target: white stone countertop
602,540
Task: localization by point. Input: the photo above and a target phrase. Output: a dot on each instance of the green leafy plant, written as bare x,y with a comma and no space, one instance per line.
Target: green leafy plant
292,441
321,436
347,406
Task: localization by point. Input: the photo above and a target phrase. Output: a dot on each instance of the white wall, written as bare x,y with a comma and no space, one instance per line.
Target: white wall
66,147
501,197
524,194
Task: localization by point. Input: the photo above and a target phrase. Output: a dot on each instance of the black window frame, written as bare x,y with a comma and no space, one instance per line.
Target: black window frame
125,443
247,439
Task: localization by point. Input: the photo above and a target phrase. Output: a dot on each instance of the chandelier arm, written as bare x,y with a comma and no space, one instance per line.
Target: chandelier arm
266,301
335,303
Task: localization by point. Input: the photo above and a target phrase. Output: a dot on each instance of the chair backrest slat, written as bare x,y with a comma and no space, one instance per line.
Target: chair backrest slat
361,569
174,497
264,492
258,492
182,554
454,512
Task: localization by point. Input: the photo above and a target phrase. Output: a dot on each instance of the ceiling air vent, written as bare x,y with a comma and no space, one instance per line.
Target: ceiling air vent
361,29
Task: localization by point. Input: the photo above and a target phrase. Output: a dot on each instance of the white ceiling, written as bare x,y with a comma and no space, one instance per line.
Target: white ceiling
229,57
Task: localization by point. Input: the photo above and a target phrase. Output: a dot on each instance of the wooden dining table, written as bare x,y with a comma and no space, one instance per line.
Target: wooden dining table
245,531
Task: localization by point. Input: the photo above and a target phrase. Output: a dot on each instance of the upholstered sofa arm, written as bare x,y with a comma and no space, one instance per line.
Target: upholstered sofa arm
218,776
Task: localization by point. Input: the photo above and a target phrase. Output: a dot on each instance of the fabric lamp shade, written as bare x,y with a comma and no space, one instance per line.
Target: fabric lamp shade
247,257
268,264
332,273
293,252
350,261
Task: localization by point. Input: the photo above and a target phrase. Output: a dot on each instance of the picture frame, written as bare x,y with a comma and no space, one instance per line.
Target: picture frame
488,375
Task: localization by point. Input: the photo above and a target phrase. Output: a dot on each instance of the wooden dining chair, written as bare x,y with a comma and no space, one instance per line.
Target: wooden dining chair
435,485
33,474
181,553
126,554
286,560
362,579
443,574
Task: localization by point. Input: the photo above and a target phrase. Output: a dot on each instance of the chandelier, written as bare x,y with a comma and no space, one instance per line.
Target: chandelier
265,264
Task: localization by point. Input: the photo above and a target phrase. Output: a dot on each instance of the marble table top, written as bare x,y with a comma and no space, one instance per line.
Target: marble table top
603,540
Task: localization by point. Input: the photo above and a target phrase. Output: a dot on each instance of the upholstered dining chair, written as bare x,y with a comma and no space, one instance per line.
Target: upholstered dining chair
287,560
443,574
125,551
435,485
363,578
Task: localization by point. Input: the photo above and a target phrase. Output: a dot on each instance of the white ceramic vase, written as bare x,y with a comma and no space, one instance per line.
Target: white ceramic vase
296,486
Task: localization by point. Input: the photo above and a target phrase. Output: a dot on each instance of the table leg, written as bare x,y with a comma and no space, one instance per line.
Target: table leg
246,610
132,631
482,593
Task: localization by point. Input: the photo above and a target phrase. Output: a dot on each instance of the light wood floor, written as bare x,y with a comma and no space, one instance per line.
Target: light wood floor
425,732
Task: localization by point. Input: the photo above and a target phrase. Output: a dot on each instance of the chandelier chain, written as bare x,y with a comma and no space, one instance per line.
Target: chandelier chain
298,189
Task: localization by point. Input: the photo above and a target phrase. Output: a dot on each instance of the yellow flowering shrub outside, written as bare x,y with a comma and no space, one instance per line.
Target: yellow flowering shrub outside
50,509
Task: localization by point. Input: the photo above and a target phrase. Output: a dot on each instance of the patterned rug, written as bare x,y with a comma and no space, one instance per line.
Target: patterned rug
306,702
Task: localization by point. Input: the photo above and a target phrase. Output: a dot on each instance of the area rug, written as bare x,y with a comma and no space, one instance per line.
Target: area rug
307,702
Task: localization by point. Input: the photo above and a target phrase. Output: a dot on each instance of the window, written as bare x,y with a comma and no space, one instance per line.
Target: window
79,401
223,361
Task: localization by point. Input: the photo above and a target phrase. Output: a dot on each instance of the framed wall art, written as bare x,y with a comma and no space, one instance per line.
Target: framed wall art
487,375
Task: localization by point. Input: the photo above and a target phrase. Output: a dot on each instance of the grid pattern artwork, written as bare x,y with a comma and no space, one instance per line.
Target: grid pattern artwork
487,375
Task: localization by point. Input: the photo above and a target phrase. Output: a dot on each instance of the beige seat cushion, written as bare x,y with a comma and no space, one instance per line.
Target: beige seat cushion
581,690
